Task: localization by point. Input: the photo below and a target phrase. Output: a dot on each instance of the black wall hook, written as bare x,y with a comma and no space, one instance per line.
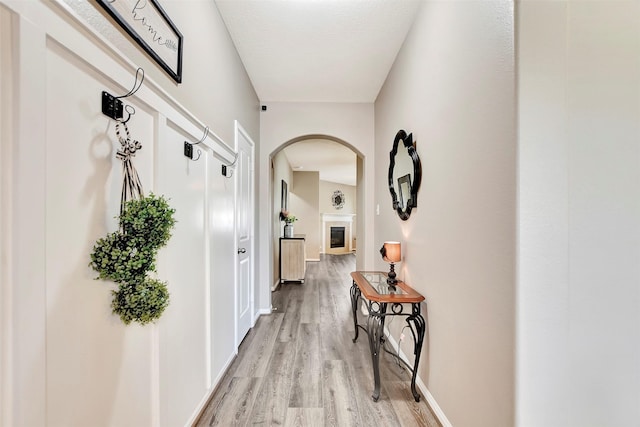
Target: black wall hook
206,132
129,109
136,85
113,107
188,146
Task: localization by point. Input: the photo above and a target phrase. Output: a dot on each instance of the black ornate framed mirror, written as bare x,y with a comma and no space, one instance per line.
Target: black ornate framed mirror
337,199
405,174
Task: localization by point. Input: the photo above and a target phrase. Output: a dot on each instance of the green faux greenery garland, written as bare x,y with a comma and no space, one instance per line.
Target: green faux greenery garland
127,255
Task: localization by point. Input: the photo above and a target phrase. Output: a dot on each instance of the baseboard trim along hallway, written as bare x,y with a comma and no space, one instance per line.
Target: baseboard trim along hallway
437,411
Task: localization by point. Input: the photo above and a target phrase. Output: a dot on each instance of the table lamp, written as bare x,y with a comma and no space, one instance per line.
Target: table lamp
391,253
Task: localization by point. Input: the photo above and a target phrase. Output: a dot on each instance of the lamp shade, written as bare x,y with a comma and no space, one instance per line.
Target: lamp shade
392,252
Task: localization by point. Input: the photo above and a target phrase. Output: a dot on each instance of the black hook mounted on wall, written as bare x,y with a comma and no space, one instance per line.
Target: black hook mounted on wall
227,172
113,107
188,146
129,109
228,167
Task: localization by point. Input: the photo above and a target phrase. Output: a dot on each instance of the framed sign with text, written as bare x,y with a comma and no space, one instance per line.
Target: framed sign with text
148,24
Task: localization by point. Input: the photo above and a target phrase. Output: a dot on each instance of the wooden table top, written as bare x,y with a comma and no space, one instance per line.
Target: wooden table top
373,286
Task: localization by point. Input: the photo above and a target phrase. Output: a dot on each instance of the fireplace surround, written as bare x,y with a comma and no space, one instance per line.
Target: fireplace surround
337,222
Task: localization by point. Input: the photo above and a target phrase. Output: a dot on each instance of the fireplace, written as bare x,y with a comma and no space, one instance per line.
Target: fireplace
338,226
337,237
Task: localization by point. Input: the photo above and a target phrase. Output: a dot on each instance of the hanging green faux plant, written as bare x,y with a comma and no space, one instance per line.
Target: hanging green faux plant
128,255
148,220
116,257
142,302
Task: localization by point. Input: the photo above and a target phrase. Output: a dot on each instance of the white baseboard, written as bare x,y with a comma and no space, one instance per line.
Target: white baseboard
437,411
275,285
203,403
312,260
264,311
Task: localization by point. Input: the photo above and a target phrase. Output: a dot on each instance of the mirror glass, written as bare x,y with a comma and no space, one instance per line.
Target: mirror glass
404,190
284,196
405,172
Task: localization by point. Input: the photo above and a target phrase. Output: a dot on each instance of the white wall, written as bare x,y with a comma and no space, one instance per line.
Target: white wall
452,86
73,362
6,118
326,192
284,122
304,202
360,205
579,209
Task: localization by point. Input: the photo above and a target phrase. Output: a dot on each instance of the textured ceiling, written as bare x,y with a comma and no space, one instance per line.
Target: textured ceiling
318,50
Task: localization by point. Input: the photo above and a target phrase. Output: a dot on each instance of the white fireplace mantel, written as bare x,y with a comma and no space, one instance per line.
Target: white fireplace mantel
336,217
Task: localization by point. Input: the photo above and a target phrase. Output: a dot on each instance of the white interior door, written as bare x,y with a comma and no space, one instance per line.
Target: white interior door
244,234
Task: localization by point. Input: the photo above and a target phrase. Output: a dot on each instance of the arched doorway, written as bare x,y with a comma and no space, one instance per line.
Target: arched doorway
316,178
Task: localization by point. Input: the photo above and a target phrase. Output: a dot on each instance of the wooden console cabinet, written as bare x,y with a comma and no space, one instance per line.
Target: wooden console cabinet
292,259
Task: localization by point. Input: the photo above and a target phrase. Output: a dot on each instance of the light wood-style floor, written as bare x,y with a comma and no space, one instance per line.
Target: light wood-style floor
299,367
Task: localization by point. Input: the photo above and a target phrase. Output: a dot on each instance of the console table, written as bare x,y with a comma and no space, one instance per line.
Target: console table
292,259
378,296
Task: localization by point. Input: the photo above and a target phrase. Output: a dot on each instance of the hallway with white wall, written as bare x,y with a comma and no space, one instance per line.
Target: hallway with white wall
525,240
70,360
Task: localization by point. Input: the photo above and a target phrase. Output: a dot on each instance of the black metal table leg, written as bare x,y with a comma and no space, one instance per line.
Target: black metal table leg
375,327
417,325
375,331
355,295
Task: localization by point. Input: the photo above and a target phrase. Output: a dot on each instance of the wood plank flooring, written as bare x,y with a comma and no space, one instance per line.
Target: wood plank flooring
299,368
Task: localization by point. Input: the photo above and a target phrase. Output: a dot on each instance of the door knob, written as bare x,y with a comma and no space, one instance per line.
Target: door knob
242,250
